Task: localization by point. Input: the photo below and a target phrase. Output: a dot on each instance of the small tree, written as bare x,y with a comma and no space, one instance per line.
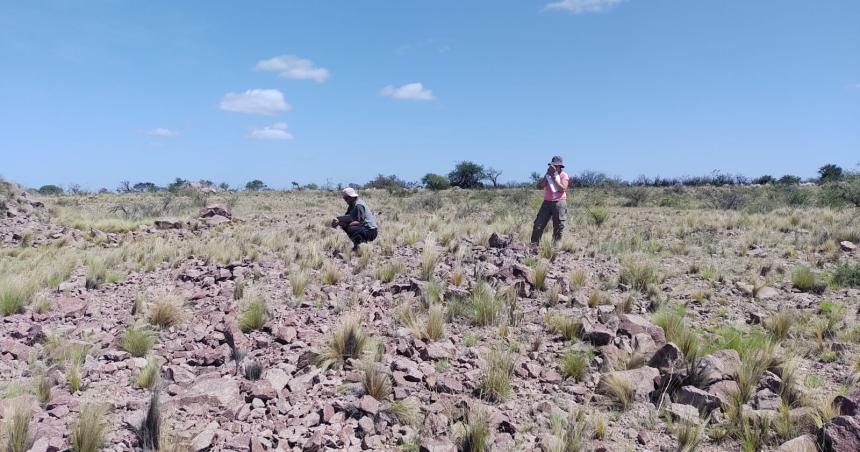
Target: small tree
845,191
764,180
390,182
467,175
50,190
295,185
178,184
124,187
224,186
255,185
829,173
493,175
76,189
788,179
145,187
435,181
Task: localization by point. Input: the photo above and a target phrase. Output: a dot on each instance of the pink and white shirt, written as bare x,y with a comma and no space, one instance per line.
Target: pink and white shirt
553,190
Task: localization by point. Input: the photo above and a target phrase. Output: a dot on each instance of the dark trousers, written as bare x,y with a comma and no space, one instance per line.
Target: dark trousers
360,234
550,209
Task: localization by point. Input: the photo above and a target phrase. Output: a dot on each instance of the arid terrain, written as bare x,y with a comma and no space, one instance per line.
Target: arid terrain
666,319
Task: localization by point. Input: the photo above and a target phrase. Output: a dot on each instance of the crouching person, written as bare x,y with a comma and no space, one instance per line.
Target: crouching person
358,222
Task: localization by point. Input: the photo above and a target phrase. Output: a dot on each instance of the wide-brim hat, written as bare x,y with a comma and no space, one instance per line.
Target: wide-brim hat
556,161
350,192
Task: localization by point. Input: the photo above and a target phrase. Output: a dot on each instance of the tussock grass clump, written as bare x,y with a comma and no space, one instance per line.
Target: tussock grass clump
149,432
137,341
578,278
598,423
597,298
476,434
495,385
618,389
540,275
16,432
252,370
597,215
254,315
568,327
376,382
88,433
386,273
331,274
407,411
689,435
298,283
348,341
165,313
487,308
805,280
429,259
435,327
779,325
575,364
15,294
149,374
638,274
42,389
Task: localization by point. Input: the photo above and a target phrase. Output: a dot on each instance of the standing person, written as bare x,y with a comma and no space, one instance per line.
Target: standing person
358,221
554,185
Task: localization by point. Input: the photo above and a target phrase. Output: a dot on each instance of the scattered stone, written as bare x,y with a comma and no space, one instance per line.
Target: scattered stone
841,434
203,440
804,443
641,379
631,325
682,412
702,400
667,358
848,246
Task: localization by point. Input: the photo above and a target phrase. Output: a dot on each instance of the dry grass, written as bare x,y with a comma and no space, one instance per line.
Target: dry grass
476,434
429,260
540,270
435,327
149,432
298,283
376,382
575,364
149,375
487,309
407,411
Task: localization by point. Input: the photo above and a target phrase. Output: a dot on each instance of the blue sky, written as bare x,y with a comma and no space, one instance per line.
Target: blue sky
99,91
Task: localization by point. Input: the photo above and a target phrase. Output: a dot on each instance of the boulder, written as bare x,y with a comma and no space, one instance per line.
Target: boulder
805,443
641,379
215,220
499,242
203,440
597,334
702,400
437,445
723,391
667,357
847,246
631,325
215,210
681,412
524,272
841,434
277,378
848,405
766,400
721,365
222,391
168,223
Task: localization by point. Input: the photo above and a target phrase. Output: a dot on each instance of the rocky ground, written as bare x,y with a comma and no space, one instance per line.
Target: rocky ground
668,308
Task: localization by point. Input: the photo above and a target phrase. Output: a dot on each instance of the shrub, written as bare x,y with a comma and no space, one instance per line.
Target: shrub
435,181
348,341
847,275
88,433
254,316
137,341
467,175
495,385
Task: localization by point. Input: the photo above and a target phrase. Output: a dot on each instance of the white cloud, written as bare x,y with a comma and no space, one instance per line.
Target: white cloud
276,131
410,91
293,67
583,6
255,101
162,132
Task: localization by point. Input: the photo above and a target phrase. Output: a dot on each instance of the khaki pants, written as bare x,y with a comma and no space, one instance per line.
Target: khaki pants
550,209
